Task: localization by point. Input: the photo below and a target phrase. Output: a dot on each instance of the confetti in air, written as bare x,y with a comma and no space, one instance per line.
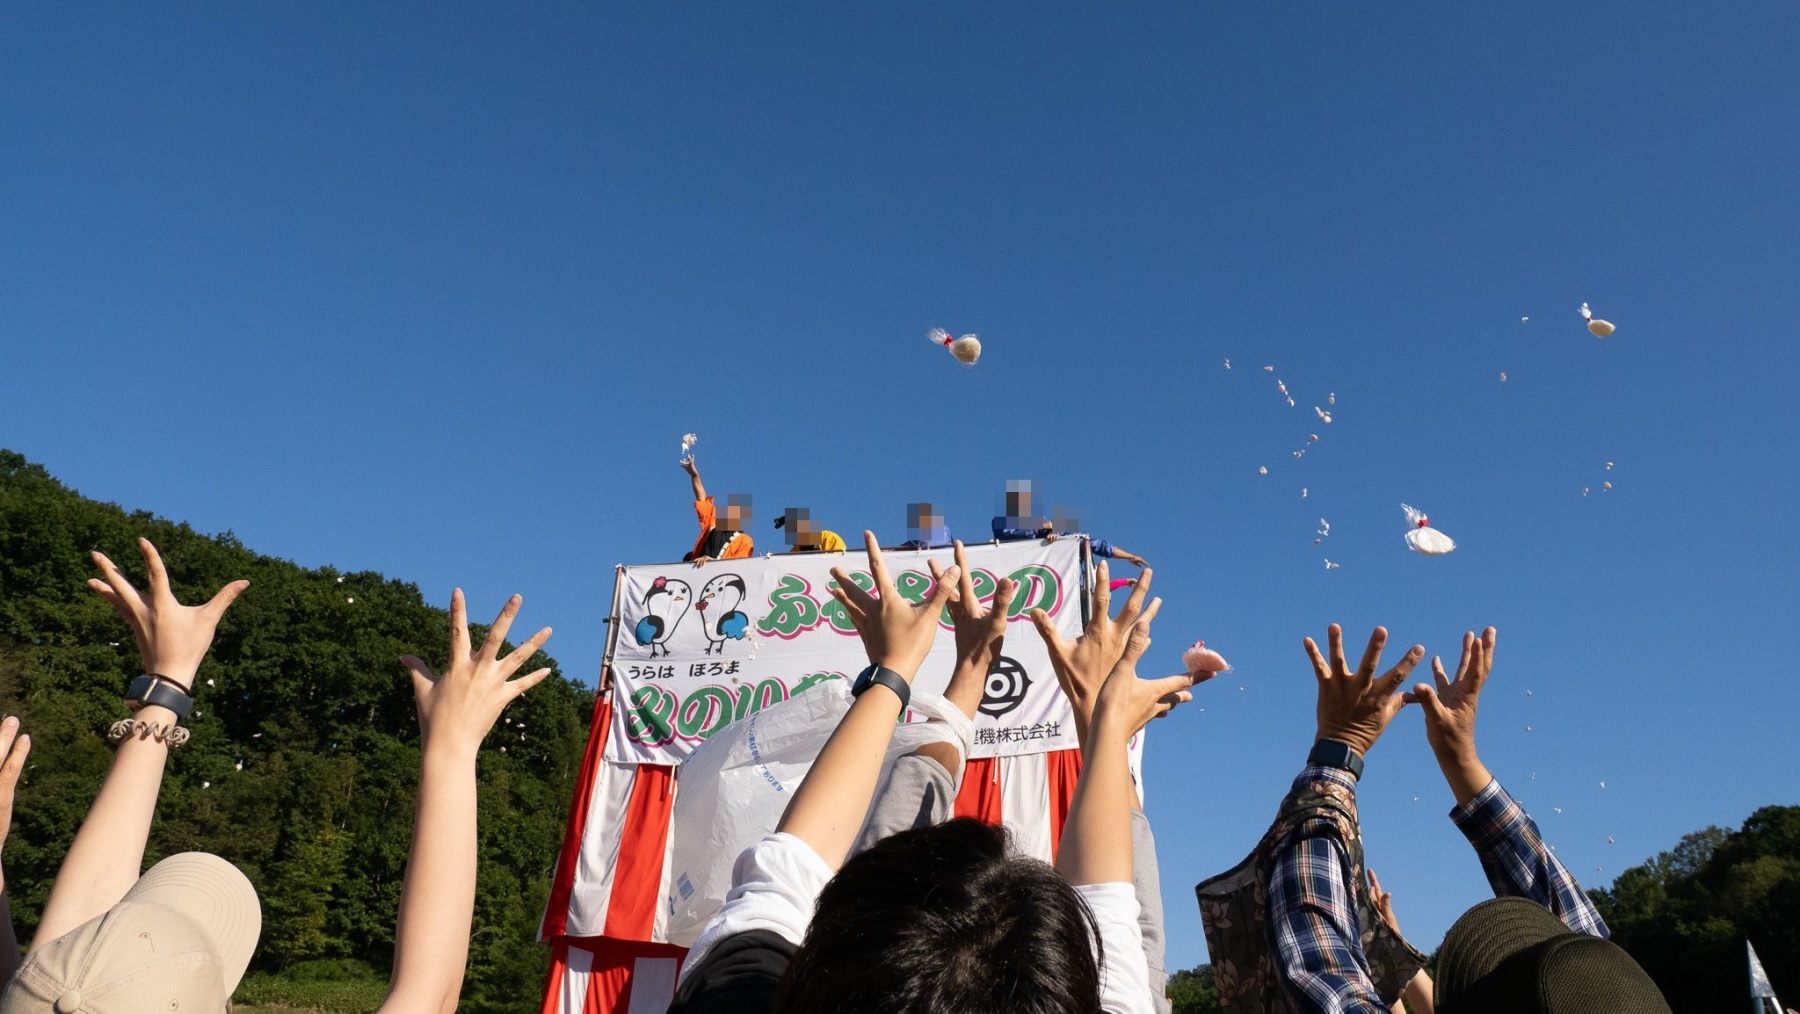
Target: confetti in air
1503,376
1331,566
1524,320
1262,470
1558,810
1324,416
1228,364
1268,369
1331,399
1303,493
1599,328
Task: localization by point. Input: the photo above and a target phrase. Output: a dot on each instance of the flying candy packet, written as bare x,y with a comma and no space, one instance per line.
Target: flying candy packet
1202,662
1599,328
1423,538
966,349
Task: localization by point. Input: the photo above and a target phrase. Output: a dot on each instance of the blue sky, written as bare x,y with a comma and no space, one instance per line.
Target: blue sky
435,291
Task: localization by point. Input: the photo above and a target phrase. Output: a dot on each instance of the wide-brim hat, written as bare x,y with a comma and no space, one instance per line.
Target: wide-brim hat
1513,955
179,940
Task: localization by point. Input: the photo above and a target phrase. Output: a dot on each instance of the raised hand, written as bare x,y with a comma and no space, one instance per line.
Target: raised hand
14,748
1354,706
1450,714
1384,902
457,708
895,633
1450,705
1126,703
171,638
980,631
1083,664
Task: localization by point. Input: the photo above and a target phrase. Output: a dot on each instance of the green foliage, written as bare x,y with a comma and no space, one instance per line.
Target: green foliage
1685,914
1191,991
304,758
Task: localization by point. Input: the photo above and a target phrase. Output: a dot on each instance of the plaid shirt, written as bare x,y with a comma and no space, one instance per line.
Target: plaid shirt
1312,904
1517,862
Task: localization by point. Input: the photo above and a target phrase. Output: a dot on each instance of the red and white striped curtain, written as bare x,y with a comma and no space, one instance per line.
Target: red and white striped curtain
606,915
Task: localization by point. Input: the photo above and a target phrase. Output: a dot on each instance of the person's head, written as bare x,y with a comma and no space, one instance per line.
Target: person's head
1513,955
1018,502
799,527
180,939
923,520
737,513
944,919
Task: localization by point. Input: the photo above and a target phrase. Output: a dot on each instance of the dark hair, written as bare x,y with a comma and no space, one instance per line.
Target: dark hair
942,919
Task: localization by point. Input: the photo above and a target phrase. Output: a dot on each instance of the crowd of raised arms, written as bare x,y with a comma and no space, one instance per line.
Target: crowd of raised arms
867,897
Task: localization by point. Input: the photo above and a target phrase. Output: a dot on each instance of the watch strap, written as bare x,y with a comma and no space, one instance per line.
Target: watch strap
160,691
1336,754
886,677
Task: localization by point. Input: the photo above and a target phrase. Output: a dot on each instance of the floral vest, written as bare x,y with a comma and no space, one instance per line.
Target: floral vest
1234,906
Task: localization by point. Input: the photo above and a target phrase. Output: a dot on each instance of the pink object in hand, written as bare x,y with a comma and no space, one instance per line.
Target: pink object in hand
1203,662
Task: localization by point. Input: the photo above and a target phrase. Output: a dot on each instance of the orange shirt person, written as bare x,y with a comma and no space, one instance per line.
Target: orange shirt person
720,539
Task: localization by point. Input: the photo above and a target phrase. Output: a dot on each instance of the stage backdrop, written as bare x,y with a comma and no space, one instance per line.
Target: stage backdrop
693,649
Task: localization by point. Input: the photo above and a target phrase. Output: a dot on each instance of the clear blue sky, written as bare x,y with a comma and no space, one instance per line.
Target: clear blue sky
436,290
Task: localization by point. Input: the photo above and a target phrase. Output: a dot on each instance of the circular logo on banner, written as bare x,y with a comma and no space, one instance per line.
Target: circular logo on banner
1007,682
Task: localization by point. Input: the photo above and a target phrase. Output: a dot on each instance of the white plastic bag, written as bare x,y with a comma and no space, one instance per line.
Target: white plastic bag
730,792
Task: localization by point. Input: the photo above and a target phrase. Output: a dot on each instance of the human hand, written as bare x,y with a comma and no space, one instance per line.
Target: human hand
979,631
457,709
896,634
1135,560
1083,664
1383,902
1354,706
14,748
1125,704
691,466
698,560
1450,706
1052,536
171,638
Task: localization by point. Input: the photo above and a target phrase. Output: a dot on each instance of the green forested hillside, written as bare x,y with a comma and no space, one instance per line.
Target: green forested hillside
304,757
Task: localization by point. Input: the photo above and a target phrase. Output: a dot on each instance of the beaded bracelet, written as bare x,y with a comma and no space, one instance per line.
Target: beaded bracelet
125,728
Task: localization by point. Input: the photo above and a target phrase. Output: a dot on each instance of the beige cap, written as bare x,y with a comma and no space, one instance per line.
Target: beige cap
178,941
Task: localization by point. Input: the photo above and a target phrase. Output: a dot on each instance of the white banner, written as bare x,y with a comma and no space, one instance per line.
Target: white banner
697,648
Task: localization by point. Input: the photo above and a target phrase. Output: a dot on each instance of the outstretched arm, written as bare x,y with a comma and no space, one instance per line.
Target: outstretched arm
828,808
437,902
1096,843
1512,852
692,468
14,748
1419,990
107,854
1312,894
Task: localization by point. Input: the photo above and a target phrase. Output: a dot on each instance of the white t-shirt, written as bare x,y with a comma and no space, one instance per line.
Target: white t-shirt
775,886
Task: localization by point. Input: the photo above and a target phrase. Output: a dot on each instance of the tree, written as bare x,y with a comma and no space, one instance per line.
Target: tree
304,757
1685,914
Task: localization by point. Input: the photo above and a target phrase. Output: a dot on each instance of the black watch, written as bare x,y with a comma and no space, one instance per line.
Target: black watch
1333,754
161,691
886,677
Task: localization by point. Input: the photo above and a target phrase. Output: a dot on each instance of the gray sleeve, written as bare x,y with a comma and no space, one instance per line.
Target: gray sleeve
1147,879
918,793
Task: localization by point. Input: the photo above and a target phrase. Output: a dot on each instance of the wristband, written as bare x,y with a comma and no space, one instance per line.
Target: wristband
161,691
1334,754
886,677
